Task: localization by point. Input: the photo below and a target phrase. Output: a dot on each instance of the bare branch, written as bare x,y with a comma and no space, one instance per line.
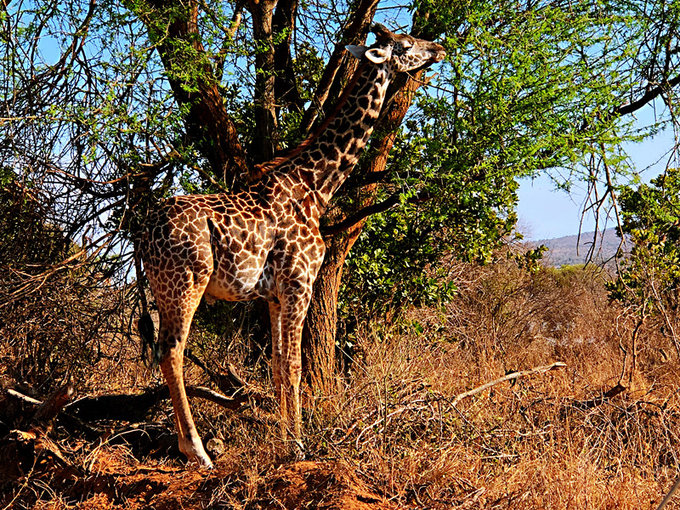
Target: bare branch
668,496
646,98
507,377
367,211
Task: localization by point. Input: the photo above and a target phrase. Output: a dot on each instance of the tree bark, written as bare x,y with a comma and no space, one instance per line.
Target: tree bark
264,141
319,356
286,89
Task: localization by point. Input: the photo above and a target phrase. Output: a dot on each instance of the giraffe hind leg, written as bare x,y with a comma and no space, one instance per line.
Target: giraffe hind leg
275,321
176,316
292,321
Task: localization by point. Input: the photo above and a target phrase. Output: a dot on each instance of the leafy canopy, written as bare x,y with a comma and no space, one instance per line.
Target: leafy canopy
650,275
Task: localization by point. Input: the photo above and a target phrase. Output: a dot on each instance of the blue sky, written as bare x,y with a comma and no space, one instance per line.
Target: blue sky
545,213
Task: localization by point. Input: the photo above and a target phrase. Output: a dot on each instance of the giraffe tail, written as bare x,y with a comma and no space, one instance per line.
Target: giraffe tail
145,325
147,332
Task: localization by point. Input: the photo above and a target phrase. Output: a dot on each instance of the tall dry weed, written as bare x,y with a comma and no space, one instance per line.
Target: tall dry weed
542,441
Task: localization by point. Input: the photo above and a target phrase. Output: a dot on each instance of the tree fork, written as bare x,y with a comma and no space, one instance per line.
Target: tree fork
208,123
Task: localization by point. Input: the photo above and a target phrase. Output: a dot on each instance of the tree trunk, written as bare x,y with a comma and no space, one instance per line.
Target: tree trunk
318,344
264,141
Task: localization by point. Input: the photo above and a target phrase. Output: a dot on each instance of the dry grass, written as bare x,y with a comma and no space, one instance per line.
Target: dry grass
539,442
393,438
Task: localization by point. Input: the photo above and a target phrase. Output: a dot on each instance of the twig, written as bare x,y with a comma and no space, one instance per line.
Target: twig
669,495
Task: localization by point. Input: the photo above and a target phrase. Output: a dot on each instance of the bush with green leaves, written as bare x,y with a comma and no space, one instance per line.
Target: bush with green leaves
649,278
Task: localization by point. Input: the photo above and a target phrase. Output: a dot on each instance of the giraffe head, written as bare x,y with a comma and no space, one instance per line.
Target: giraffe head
403,52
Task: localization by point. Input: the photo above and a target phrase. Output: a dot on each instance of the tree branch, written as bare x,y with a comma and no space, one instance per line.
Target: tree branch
507,377
354,32
367,211
174,30
235,24
646,98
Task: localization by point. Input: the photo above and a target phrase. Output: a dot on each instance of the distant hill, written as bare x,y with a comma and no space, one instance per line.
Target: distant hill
562,251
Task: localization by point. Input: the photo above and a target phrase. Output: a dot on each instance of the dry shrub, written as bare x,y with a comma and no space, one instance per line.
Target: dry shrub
60,321
546,440
542,441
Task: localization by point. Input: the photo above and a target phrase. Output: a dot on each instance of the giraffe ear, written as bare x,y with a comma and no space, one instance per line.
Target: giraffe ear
378,55
357,51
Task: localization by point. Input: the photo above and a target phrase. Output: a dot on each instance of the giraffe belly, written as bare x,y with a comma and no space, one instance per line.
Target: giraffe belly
243,284
233,288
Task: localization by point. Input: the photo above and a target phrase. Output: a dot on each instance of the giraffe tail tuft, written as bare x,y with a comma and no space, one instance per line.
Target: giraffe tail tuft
147,332
145,325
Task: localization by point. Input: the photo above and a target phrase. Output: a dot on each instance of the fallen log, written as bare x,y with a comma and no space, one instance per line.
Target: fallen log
132,407
599,400
135,407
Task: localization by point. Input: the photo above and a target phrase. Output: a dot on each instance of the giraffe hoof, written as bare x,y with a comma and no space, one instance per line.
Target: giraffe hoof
201,463
195,453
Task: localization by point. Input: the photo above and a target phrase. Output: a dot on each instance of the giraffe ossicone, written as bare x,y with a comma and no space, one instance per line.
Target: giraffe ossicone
264,242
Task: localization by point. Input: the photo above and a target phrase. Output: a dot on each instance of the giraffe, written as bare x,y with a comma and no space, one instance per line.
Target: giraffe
264,241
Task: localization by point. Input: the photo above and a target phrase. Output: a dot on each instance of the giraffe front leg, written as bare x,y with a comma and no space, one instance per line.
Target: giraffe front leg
292,320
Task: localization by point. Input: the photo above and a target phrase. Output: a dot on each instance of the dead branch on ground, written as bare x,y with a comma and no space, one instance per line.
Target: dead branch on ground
507,377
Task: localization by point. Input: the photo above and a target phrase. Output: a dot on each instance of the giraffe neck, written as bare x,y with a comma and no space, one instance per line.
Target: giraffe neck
327,161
